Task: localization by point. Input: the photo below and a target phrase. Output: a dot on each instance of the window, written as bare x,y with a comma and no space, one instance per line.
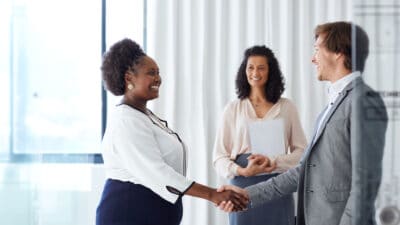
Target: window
124,20
51,92
53,107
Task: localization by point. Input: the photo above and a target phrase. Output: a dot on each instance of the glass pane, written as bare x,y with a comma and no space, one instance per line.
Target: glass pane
381,20
50,194
55,78
50,94
5,11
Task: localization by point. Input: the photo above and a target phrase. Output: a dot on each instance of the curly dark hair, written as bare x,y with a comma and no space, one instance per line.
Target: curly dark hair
123,55
275,84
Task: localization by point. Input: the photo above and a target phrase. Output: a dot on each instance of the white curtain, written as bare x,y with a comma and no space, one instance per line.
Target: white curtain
198,46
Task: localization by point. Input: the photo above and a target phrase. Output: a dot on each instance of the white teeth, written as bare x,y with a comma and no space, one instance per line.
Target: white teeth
256,78
154,87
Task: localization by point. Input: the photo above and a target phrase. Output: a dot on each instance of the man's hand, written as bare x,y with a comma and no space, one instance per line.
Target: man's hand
229,206
238,200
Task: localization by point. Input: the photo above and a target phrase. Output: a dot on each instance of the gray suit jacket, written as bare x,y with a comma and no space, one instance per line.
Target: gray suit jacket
338,177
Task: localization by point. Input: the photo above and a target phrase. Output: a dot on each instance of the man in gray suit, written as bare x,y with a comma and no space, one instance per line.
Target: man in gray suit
338,177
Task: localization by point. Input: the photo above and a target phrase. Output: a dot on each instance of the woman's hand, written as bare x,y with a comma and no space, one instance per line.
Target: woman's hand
228,206
237,197
269,168
257,164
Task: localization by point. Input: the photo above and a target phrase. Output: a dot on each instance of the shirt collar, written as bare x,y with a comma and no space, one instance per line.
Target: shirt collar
335,88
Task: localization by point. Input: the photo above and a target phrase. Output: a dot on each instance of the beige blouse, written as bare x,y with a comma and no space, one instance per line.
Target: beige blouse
233,138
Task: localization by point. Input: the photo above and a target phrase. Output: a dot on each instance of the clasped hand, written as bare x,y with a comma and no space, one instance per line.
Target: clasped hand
231,198
228,205
257,164
238,200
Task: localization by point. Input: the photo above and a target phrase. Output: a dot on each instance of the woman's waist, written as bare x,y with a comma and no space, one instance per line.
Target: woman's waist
114,188
121,174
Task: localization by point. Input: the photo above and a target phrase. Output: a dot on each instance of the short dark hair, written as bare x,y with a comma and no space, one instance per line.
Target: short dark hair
346,38
275,83
123,55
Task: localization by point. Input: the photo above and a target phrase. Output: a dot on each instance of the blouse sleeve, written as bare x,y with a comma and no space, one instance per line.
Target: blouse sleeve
296,138
223,145
138,150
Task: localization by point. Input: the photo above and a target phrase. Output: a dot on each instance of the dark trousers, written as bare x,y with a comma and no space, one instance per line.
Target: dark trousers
126,203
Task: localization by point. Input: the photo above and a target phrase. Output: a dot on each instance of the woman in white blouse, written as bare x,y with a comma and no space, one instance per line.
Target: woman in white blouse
259,86
145,161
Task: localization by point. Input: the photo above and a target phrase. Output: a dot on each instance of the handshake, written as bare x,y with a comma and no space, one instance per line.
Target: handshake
230,198
233,199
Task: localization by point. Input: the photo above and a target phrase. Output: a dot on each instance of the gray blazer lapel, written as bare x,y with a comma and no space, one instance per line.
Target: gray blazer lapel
343,94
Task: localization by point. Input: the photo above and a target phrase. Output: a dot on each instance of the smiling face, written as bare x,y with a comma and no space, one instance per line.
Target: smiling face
324,60
257,71
145,79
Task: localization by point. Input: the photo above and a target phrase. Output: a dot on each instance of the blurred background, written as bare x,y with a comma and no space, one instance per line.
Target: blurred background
54,108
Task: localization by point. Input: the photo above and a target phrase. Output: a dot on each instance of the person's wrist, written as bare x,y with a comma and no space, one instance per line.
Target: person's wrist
272,160
211,195
243,172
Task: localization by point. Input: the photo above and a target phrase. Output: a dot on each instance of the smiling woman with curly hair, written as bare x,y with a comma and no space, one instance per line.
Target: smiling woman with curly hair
275,86
144,159
259,86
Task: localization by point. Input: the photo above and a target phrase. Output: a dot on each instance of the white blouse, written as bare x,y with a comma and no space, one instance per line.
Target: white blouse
138,150
233,137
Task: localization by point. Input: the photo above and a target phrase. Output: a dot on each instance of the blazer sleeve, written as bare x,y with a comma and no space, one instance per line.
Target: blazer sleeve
368,127
138,150
223,145
283,184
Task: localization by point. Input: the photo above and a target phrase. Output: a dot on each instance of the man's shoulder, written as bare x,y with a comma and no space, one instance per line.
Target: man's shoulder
362,92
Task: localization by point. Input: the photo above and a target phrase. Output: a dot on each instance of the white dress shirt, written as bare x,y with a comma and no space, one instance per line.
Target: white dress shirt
137,150
334,91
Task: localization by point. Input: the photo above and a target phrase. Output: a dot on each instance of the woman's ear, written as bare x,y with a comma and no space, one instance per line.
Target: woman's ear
128,77
130,80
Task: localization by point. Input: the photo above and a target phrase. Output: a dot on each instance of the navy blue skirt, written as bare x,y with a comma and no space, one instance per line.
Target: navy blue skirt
277,212
126,203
